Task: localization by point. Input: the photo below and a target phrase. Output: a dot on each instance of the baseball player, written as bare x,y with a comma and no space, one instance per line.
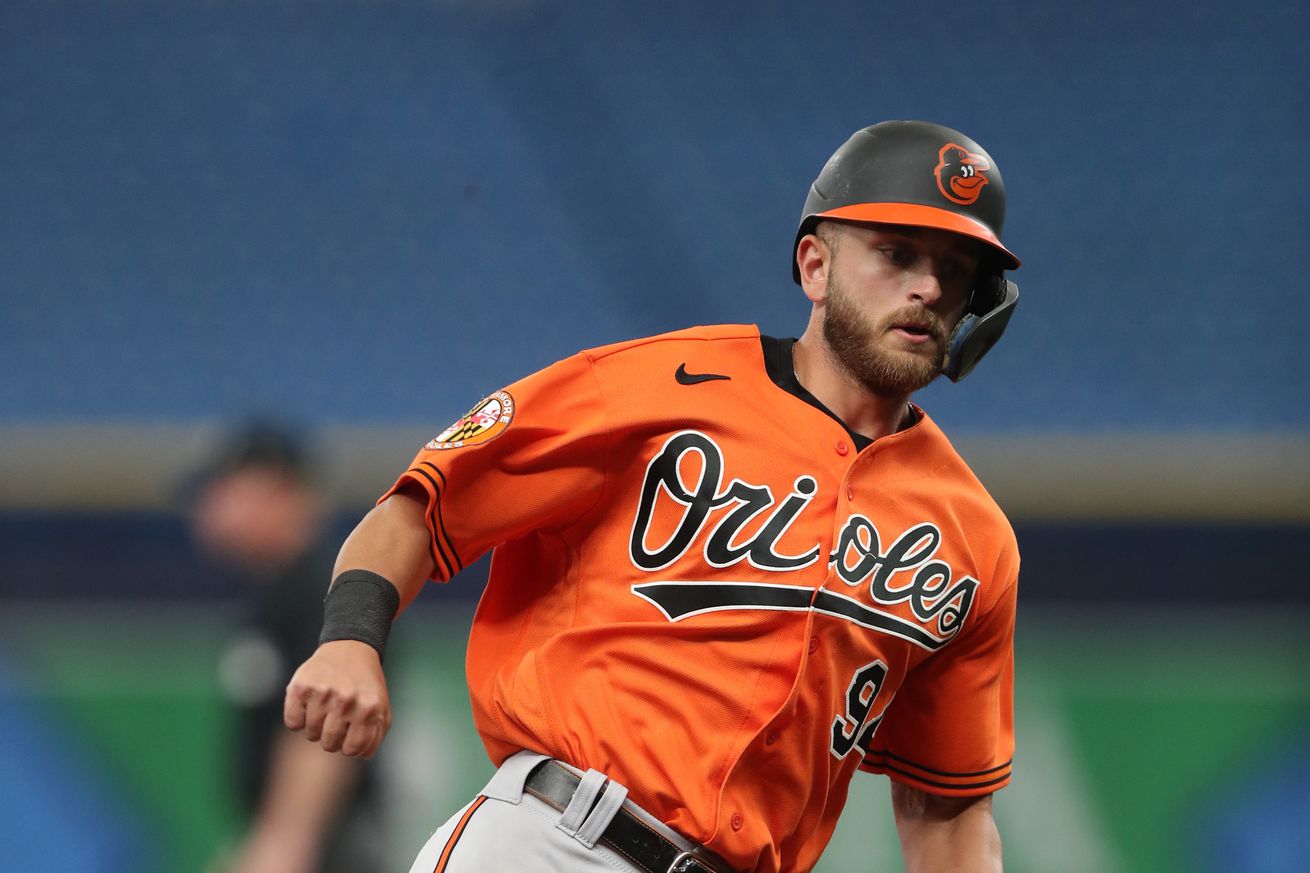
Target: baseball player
730,570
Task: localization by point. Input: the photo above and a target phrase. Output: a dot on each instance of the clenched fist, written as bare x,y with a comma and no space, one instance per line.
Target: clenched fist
339,699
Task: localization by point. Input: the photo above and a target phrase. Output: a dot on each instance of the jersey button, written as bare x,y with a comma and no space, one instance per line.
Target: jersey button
737,821
850,493
842,448
814,645
770,738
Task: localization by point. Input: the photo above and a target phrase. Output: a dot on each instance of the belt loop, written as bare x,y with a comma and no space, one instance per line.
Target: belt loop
580,805
606,808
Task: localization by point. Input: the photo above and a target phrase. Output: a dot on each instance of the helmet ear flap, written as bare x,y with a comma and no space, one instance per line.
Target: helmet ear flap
988,289
981,326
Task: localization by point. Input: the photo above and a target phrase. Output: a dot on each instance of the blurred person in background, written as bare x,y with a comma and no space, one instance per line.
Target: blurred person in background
256,508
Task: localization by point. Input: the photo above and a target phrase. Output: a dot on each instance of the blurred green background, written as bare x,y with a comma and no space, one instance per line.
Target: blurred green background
1134,736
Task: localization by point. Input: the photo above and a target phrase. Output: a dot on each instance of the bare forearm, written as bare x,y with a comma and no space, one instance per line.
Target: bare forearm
970,846
946,835
392,541
339,696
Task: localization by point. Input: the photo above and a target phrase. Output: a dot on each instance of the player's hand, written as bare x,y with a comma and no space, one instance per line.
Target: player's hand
339,699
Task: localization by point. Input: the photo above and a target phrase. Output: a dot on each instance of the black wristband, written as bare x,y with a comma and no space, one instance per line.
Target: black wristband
359,605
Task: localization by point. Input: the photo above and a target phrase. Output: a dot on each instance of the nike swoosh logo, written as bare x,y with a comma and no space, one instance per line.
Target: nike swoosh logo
685,378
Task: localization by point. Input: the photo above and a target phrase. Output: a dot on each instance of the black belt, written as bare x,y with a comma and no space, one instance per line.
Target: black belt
626,834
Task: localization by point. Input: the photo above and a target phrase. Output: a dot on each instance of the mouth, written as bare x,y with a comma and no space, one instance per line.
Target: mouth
915,332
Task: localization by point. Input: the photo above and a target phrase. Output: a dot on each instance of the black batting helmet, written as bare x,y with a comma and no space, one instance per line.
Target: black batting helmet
925,175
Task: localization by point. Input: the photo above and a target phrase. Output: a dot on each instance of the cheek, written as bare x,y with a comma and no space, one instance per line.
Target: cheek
873,292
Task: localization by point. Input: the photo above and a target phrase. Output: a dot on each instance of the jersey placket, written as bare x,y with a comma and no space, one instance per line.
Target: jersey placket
876,661
841,465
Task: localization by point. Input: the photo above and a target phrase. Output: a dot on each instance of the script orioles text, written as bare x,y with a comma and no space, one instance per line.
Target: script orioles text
938,601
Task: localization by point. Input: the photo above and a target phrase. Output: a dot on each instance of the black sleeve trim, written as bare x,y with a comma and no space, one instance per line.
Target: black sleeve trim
439,523
894,757
963,786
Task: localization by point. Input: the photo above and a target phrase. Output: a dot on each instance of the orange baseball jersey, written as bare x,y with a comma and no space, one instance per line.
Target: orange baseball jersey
702,589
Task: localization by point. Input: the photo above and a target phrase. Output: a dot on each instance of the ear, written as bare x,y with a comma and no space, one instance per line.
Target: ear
813,259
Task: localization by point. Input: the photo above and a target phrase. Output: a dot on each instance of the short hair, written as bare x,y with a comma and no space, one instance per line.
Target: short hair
258,444
827,231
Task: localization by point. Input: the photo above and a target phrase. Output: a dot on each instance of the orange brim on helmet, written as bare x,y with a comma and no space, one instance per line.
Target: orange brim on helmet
917,215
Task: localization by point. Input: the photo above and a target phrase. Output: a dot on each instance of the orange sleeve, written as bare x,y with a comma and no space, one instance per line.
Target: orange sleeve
950,728
526,458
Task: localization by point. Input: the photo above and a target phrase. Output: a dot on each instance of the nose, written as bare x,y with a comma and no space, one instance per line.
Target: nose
925,288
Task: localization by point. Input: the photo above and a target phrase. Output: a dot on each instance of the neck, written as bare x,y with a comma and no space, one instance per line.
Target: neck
864,411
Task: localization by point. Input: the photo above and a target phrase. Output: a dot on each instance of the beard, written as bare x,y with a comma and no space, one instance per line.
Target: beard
868,352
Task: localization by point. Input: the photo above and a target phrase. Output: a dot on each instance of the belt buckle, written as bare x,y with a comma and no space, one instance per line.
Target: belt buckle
686,862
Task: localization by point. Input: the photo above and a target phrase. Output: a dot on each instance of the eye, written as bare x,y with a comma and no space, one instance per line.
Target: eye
901,256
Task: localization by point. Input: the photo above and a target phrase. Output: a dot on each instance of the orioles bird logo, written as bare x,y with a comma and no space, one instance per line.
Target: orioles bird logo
961,174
